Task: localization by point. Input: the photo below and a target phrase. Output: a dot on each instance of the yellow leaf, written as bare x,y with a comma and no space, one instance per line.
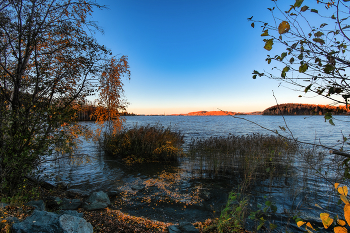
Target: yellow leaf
317,205
347,213
3,221
300,223
344,199
283,27
309,225
340,230
343,190
336,185
326,220
341,222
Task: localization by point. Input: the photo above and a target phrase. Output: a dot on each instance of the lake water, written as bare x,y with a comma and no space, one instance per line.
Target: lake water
174,193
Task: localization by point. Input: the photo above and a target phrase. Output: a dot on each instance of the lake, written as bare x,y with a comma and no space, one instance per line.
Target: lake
174,192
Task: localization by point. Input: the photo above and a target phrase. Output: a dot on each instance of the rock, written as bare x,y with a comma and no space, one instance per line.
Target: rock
53,202
183,227
77,192
71,212
42,221
70,204
38,205
74,224
113,193
137,187
97,200
3,205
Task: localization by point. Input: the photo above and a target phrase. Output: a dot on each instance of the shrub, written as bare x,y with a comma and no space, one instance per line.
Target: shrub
144,144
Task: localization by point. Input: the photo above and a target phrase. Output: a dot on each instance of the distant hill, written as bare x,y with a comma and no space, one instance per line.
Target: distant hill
305,109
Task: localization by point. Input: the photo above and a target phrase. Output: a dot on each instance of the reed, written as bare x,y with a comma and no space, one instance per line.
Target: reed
246,154
144,144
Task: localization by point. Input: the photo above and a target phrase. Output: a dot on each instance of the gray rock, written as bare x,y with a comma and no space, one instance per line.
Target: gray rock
71,212
53,202
70,204
47,222
39,221
77,192
183,227
97,200
38,205
74,224
3,205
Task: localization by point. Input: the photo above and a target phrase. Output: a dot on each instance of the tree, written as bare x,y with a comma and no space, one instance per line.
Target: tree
315,40
49,63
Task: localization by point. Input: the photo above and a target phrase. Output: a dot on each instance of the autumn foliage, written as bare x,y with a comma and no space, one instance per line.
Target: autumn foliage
304,109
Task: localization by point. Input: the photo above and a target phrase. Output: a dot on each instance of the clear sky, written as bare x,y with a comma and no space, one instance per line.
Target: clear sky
193,55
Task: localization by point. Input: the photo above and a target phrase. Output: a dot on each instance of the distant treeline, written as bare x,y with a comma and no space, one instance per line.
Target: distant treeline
305,109
87,113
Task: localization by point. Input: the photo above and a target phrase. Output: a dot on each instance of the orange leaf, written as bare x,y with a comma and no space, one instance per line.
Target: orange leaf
347,213
343,190
283,27
336,185
300,223
341,222
326,220
344,199
340,230
309,225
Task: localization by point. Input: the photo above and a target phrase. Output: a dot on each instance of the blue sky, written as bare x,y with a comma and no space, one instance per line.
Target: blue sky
192,55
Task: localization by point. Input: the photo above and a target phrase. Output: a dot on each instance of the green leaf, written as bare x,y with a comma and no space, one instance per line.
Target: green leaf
283,55
266,33
268,203
307,88
331,122
254,76
268,44
319,34
274,208
291,60
328,116
268,169
318,40
303,68
304,8
268,60
273,226
298,3
284,71
328,69
301,56
322,25
314,10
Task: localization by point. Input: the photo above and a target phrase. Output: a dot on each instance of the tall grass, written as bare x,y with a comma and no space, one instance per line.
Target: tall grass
247,153
144,144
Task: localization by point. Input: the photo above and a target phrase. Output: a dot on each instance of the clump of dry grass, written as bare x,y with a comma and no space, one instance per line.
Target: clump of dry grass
145,144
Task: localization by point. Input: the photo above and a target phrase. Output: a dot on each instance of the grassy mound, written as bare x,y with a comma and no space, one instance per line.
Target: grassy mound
145,144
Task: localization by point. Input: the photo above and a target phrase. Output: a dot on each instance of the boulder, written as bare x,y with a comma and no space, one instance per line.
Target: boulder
183,227
47,222
72,193
53,202
38,205
97,200
70,204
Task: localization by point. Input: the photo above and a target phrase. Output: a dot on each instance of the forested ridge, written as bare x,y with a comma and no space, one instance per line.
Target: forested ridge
304,109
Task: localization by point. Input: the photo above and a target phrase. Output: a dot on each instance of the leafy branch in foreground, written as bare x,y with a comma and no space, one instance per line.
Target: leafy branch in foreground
315,40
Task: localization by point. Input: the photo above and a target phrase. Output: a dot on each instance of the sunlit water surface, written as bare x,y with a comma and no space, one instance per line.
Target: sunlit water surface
174,192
